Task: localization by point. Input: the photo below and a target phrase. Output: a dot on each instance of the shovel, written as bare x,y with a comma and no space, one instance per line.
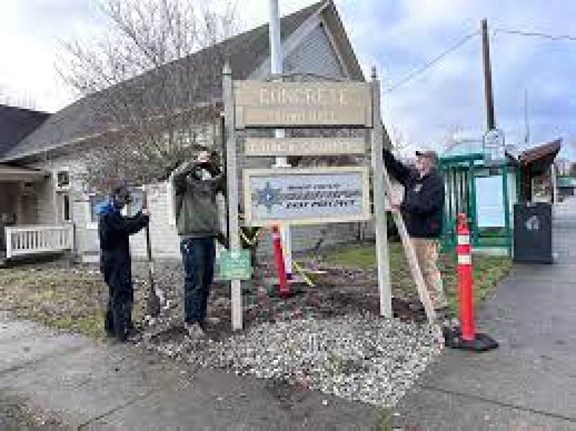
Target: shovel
153,300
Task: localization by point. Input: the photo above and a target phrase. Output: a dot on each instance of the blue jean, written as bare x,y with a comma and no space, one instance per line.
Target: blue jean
198,255
116,268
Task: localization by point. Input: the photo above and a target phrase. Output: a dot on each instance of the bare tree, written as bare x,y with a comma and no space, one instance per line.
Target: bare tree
152,82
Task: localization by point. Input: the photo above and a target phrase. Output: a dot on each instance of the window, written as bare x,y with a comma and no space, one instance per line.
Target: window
63,179
63,210
66,207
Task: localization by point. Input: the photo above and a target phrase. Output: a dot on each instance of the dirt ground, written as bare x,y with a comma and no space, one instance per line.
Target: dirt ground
73,297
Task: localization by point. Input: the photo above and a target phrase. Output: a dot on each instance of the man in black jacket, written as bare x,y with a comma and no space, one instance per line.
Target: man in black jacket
115,263
422,210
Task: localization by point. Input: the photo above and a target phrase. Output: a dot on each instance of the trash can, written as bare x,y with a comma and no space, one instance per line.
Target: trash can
533,233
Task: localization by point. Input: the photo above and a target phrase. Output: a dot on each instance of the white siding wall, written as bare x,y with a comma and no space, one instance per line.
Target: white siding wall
163,235
85,235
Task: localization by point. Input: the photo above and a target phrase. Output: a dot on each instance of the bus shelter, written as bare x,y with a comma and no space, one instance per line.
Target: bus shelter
486,193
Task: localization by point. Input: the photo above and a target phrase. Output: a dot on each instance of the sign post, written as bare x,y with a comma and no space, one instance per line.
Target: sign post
232,191
382,252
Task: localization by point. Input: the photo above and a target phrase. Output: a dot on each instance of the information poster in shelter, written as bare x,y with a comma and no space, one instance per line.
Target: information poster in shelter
490,202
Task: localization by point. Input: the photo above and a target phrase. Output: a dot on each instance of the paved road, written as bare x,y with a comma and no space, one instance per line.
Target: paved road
529,383
92,385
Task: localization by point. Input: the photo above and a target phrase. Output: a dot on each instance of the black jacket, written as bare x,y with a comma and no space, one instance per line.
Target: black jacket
423,204
114,230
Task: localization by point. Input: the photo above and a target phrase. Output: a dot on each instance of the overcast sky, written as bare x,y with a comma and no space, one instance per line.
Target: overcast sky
397,36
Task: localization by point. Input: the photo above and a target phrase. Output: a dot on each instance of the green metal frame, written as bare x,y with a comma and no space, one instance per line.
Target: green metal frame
460,173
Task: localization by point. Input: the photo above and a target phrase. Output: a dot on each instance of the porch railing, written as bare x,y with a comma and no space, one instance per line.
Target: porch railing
35,239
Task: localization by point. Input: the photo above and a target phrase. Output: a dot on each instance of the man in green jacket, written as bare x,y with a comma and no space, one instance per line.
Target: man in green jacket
196,185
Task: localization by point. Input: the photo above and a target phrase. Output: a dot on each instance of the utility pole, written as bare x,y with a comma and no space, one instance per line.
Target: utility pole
526,122
489,94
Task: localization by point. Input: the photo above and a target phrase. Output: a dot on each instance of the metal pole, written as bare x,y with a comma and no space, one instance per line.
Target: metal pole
232,190
276,68
553,183
506,200
382,252
488,92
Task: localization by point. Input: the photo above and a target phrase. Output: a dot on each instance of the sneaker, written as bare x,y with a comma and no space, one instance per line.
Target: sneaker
212,320
194,331
134,335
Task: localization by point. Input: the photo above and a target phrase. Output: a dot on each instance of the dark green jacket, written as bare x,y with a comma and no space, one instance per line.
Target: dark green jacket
195,204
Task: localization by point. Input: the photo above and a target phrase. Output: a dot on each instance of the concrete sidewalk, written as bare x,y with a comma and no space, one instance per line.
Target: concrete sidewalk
529,383
92,385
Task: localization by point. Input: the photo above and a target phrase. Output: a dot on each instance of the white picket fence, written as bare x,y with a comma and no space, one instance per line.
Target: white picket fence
35,239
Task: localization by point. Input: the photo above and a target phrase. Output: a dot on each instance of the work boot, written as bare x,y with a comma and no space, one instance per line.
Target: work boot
443,316
195,330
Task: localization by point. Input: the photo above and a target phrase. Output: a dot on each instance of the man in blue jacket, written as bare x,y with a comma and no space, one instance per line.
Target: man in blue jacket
422,210
114,230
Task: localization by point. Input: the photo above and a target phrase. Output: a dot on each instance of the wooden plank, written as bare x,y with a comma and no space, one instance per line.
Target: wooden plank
302,104
303,146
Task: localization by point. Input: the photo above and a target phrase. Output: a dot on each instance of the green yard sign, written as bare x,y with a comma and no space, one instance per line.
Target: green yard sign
235,265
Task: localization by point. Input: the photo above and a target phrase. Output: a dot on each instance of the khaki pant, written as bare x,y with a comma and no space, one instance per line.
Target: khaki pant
427,255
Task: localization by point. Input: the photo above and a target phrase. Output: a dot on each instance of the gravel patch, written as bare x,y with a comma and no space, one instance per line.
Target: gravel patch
357,357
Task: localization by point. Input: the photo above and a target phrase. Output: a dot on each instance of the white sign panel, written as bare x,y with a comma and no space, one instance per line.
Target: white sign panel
490,202
306,196
494,147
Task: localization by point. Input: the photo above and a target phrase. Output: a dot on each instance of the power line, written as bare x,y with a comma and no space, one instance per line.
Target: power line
431,63
535,34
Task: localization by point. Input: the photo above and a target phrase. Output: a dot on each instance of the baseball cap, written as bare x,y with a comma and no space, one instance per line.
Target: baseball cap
429,154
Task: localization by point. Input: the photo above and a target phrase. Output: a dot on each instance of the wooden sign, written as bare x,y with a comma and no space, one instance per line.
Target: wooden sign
302,104
306,196
303,146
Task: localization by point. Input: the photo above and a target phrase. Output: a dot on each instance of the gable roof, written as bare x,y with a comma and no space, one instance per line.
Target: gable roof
548,150
16,123
537,160
81,121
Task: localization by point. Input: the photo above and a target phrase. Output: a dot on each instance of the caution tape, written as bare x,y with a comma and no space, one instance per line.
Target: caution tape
307,279
249,241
